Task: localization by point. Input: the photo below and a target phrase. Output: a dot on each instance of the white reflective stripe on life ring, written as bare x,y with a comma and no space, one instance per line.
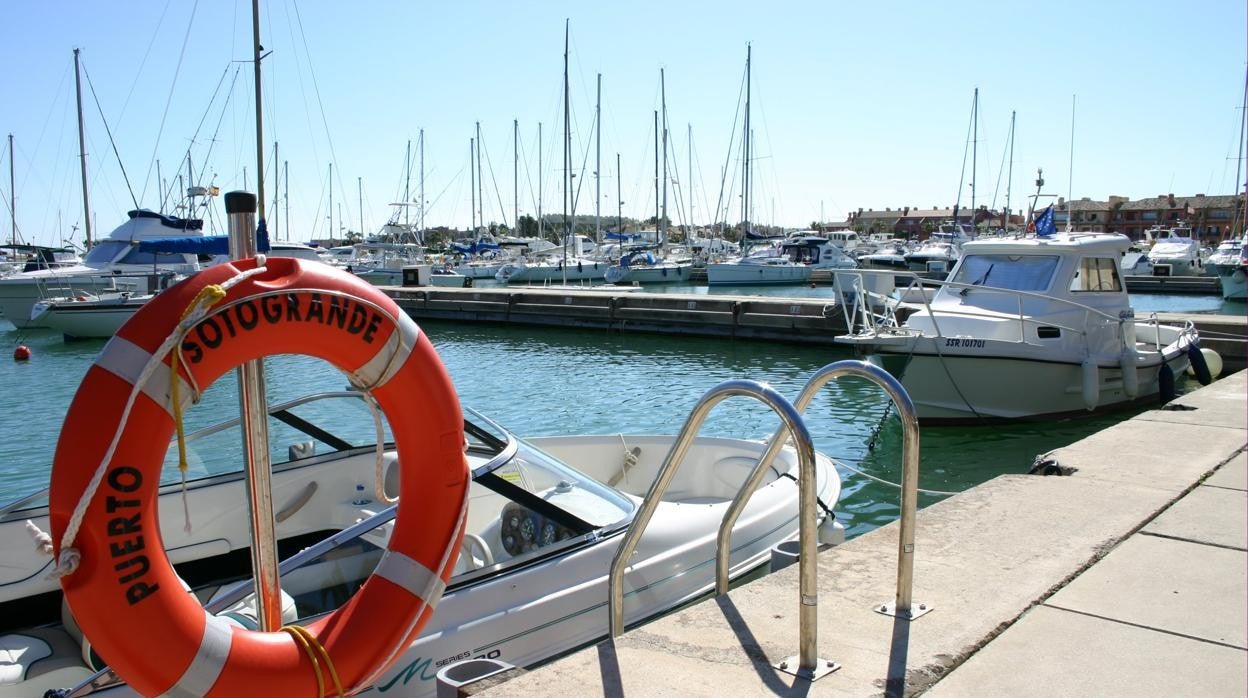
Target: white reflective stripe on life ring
214,649
126,360
412,576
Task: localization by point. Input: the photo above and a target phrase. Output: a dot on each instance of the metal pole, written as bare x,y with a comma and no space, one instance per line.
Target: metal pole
359,182
515,173
241,207
82,153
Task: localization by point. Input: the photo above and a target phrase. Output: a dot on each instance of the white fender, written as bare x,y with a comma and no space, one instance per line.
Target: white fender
1091,383
1212,359
1130,375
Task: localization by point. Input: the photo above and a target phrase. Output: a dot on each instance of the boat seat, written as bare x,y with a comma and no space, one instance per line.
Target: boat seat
36,660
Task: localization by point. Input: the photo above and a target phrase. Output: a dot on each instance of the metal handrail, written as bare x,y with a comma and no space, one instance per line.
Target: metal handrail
806,458
909,481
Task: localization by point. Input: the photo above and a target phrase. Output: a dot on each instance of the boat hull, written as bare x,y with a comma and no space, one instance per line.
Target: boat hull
755,275
956,387
1234,279
669,274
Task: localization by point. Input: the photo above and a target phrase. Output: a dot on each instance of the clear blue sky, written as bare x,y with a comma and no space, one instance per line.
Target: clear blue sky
854,104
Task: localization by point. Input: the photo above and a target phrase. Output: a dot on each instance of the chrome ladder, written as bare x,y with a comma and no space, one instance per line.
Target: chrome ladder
806,664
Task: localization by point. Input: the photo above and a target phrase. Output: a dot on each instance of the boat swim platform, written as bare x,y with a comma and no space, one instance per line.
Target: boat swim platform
808,321
1127,577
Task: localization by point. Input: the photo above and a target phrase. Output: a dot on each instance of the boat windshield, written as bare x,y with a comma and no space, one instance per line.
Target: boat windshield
524,504
1010,272
105,252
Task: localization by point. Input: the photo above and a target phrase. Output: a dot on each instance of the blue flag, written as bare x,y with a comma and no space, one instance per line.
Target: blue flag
1044,223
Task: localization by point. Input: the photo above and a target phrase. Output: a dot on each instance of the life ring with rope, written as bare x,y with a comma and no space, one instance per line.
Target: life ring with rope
125,594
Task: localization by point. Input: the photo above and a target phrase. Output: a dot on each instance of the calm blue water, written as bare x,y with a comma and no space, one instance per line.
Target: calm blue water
540,381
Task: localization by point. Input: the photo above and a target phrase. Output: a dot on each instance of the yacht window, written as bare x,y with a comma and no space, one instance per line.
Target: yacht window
1011,272
134,256
105,252
1096,274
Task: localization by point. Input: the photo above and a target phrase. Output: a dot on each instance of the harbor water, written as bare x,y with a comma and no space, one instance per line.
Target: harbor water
542,381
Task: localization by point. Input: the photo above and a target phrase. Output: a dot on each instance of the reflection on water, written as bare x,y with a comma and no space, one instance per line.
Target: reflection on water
540,381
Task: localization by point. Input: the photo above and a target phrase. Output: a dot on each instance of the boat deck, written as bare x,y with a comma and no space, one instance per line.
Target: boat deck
1128,577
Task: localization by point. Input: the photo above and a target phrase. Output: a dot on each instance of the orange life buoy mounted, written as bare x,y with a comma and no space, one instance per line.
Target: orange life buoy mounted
124,592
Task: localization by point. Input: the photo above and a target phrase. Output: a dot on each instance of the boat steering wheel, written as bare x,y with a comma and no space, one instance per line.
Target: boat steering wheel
471,541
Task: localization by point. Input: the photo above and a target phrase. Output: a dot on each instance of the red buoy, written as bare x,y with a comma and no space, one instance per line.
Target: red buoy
21,353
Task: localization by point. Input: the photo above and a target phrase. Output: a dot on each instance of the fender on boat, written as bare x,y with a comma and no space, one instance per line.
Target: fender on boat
1130,373
1091,383
1196,359
1165,383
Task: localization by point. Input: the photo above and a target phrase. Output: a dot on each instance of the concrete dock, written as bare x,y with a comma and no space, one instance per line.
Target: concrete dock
1126,577
810,321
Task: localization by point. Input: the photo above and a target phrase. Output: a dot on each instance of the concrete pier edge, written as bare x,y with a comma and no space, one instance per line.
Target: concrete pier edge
1035,585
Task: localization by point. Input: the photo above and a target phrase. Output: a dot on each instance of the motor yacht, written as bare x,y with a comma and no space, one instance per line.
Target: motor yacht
115,261
1025,328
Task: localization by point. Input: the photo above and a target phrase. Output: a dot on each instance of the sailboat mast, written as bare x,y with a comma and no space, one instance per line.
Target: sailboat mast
1070,177
255,43
663,106
480,187
472,185
277,188
619,203
407,183
567,150
745,199
598,165
657,219
974,155
13,195
689,174
515,172
421,143
331,203
359,182
82,153
1009,182
286,197
540,175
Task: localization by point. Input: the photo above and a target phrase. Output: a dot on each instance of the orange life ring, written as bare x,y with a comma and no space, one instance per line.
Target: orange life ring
124,592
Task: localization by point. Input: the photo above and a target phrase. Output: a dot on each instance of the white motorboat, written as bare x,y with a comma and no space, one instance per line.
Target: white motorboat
546,516
818,252
1232,269
1135,264
763,266
1175,252
115,261
1025,328
1227,252
88,316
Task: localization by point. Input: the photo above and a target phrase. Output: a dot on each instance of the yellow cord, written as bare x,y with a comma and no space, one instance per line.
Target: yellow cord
207,296
314,648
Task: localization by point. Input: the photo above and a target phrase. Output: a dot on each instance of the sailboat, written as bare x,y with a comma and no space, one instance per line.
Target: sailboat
572,260
639,264
767,264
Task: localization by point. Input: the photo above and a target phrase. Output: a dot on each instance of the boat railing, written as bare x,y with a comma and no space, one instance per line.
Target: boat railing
858,312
